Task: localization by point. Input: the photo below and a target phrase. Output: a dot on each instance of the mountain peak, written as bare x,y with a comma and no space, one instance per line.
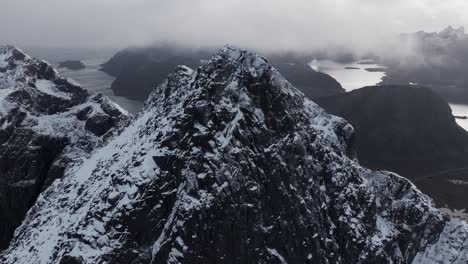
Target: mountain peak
245,58
12,52
46,123
234,159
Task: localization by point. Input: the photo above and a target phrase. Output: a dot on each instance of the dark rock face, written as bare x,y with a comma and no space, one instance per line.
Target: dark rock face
312,83
139,71
99,124
295,68
25,163
229,164
407,130
42,130
72,65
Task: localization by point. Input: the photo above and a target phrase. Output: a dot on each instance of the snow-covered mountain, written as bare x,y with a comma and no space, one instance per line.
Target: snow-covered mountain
46,124
231,164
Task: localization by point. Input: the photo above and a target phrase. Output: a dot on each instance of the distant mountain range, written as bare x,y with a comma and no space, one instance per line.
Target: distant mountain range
439,61
138,71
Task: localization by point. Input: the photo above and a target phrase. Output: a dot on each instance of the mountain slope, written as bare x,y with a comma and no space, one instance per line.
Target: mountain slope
312,83
410,131
228,164
46,123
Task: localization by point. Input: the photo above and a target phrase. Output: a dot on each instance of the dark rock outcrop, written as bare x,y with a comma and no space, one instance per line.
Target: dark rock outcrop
138,71
72,65
43,129
312,83
408,130
231,164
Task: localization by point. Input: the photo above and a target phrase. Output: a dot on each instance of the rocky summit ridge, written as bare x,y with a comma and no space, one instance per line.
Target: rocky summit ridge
229,163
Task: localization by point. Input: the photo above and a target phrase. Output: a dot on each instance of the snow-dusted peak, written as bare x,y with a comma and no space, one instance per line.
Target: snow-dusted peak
46,123
229,55
228,163
27,82
17,65
35,88
10,54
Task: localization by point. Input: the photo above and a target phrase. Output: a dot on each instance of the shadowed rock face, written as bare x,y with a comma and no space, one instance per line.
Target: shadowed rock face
312,83
230,164
138,71
43,128
407,130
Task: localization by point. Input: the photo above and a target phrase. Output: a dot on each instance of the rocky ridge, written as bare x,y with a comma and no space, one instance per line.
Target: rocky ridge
46,124
231,164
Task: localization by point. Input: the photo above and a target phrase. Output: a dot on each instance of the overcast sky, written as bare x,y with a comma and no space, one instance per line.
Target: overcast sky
279,24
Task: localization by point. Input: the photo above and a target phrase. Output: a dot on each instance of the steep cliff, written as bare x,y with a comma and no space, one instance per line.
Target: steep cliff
46,123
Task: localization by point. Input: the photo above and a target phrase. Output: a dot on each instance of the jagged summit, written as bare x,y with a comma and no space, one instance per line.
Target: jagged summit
33,82
34,86
46,123
229,163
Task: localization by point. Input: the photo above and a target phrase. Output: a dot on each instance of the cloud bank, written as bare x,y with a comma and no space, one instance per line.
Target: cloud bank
265,24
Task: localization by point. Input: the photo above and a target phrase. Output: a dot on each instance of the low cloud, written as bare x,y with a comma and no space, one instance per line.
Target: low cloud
261,24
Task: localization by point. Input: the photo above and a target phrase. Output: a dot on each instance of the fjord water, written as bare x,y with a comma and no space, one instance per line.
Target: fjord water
354,76
351,75
460,110
96,81
90,78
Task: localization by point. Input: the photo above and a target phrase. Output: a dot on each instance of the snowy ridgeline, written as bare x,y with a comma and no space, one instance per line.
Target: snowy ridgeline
47,123
233,159
52,103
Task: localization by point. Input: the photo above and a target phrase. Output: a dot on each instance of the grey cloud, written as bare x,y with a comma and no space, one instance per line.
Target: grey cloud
266,24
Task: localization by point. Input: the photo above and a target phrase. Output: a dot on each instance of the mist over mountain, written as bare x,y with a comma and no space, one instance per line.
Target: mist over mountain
439,60
359,25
